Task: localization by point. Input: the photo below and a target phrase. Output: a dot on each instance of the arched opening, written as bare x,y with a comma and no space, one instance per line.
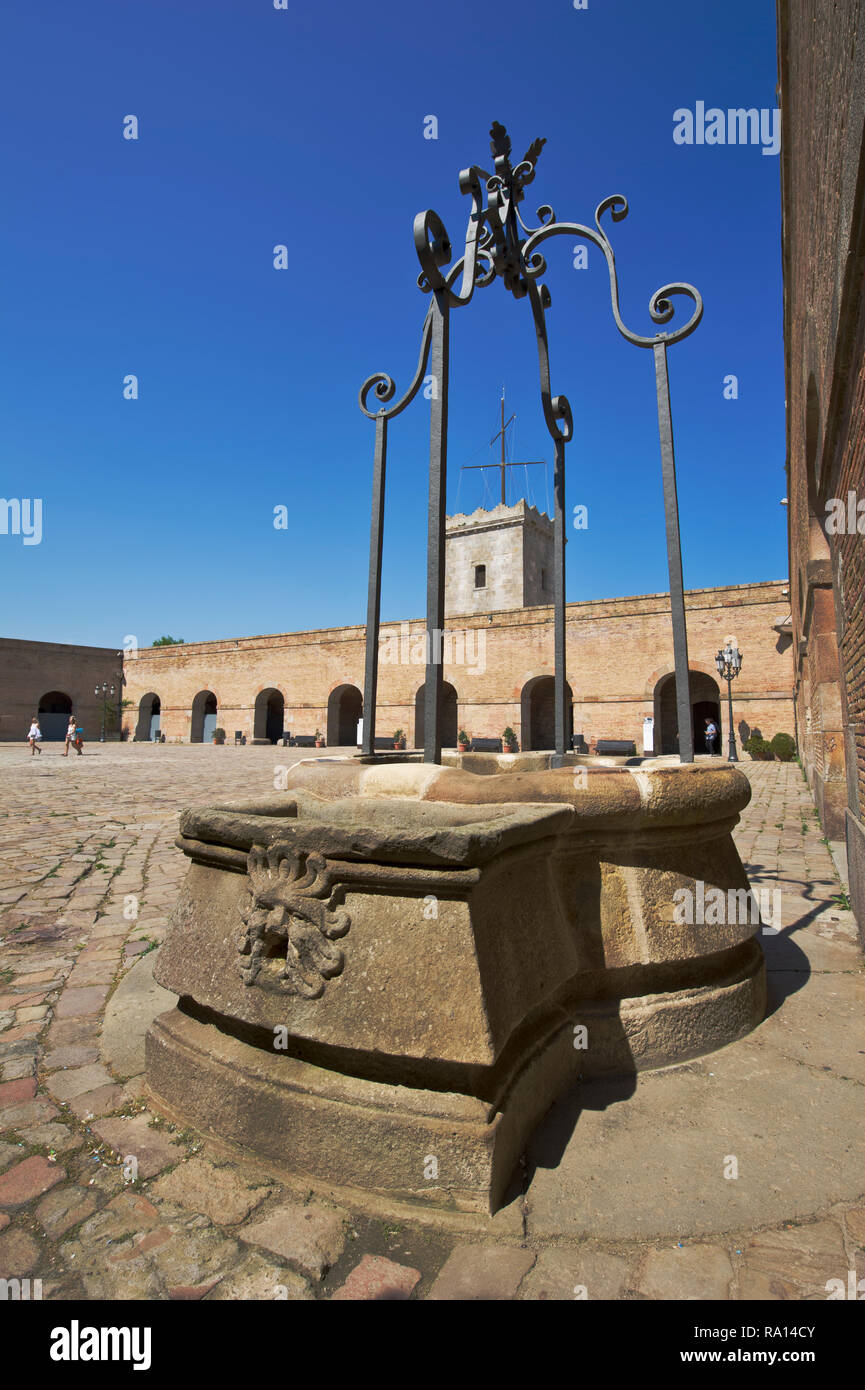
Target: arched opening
53,715
269,716
450,716
149,718
538,715
705,704
204,715
344,709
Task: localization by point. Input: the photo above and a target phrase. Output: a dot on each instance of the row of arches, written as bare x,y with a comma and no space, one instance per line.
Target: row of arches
205,715
345,709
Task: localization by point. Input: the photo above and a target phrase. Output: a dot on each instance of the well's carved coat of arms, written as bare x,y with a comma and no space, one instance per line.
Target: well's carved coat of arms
290,922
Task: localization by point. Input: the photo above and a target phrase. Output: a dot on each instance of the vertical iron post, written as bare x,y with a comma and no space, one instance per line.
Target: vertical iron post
674,557
435,592
559,596
373,602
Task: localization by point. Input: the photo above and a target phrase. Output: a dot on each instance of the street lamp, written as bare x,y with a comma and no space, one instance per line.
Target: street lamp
104,690
729,664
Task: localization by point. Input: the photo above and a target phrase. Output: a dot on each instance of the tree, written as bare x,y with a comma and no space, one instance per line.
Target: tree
168,642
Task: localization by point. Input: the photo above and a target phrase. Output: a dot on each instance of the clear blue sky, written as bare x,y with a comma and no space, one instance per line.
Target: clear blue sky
306,127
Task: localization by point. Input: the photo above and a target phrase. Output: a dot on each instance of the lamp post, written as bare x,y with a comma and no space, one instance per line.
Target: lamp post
729,664
104,690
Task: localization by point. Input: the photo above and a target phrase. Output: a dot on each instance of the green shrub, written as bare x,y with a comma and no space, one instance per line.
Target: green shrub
760,749
784,747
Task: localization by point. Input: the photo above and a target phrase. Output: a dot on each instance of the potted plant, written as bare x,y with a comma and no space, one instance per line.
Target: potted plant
760,749
219,736
509,739
319,739
398,738
464,742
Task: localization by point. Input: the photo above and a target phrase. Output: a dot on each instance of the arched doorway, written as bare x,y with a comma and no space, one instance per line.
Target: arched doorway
450,716
149,718
204,715
53,715
538,715
344,709
269,716
703,710
705,704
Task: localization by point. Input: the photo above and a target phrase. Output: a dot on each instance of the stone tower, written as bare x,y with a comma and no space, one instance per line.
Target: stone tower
502,558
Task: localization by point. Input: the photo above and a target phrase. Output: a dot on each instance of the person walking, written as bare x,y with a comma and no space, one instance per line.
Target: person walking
711,735
71,737
34,736
79,738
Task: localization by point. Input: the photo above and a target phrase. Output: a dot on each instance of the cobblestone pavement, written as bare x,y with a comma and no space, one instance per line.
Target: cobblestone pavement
89,875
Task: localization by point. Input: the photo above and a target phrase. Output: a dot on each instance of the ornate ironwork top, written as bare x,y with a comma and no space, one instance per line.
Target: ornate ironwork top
500,245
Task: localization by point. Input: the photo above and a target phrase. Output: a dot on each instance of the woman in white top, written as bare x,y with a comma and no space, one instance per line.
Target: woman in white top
34,736
70,737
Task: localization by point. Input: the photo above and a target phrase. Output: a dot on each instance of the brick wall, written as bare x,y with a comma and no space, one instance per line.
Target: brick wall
618,651
30,670
821,61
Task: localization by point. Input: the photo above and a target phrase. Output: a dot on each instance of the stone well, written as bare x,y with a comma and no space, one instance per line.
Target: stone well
390,971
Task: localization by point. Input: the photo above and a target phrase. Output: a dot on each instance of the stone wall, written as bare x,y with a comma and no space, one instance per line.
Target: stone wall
31,670
618,653
822,95
514,544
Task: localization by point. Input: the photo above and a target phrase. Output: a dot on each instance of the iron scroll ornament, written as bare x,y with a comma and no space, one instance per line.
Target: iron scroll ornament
499,244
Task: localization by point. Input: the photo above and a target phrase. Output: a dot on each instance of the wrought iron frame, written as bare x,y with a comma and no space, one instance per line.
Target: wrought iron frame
498,244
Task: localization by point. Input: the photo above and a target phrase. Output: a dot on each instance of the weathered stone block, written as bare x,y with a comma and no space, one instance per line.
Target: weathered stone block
388,974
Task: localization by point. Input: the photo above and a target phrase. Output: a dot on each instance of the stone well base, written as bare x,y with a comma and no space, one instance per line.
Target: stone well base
382,1139
389,973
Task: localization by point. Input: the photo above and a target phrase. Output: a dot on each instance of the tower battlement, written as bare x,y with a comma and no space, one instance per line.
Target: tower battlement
495,559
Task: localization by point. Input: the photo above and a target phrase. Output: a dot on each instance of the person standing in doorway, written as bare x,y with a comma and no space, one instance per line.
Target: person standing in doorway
711,735
34,736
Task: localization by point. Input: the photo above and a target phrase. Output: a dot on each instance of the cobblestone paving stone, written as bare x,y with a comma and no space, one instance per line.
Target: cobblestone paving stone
101,1199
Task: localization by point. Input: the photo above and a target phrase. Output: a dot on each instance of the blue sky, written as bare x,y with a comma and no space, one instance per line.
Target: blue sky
305,127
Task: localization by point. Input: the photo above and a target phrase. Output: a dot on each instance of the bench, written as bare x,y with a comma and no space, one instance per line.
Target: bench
486,745
616,747
303,741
